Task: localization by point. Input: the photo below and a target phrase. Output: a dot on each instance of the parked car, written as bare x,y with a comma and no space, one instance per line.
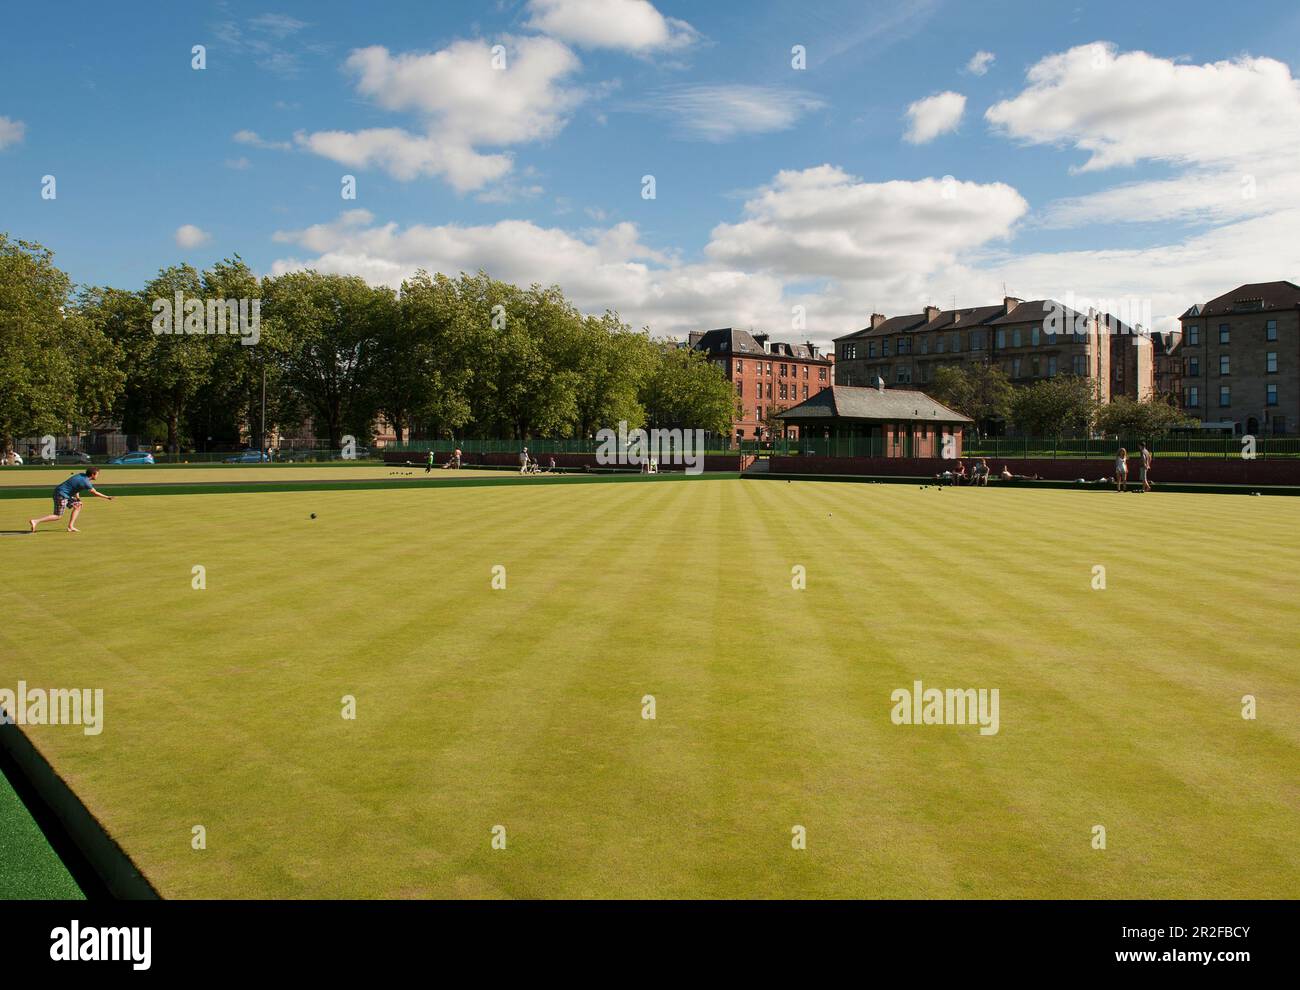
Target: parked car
134,457
71,457
248,457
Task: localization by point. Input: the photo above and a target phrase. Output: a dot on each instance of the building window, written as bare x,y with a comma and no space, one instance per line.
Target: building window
783,371
904,375
1080,364
1270,362
1270,330
1225,395
1270,392
1223,333
850,352
783,391
740,388
940,344
805,391
1033,336
1225,364
1194,334
1193,397
1015,367
925,345
1002,339
769,374
1051,366
821,375
977,340
1194,366
884,347
871,349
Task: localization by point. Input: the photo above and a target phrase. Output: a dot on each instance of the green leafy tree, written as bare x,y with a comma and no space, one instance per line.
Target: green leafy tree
1148,418
981,391
613,362
322,331
1055,407
687,391
57,366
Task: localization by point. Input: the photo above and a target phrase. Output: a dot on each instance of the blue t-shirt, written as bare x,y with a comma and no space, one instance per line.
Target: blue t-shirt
77,483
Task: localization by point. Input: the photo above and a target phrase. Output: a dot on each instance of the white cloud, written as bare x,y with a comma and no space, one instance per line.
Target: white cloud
255,140
722,112
1230,130
934,115
11,132
631,25
463,102
866,244
822,222
980,63
190,236
1124,108
239,164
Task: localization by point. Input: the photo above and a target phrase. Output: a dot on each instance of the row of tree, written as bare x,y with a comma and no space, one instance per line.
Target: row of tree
469,356
1064,405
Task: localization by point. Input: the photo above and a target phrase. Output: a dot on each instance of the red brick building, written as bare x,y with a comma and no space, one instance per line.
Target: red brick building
767,376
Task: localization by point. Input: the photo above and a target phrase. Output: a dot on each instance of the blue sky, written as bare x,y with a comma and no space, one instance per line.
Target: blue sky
1140,153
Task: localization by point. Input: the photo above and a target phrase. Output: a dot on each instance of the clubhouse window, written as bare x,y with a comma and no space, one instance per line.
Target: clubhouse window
1270,395
1225,395
1225,364
1270,330
1270,362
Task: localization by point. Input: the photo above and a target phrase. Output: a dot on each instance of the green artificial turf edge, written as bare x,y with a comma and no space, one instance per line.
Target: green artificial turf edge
32,869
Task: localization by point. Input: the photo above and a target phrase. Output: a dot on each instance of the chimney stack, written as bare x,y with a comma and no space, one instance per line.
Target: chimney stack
693,338
761,339
1009,303
877,319
931,313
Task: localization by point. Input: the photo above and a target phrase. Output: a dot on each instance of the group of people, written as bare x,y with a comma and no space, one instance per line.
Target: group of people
979,474
1144,469
452,463
530,465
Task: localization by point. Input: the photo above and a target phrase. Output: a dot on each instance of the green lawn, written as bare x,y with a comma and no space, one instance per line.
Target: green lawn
522,707
32,870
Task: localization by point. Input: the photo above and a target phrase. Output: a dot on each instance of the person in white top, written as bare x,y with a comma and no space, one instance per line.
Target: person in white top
1121,470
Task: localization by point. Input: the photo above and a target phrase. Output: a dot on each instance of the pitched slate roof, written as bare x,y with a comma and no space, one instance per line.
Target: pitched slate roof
735,341
891,404
1255,297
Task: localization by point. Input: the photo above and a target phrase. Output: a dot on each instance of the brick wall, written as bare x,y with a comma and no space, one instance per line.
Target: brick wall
1197,470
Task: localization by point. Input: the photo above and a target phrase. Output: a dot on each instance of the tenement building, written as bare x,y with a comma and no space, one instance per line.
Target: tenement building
1241,360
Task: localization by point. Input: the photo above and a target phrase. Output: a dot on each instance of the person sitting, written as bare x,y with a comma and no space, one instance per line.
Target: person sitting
1006,474
981,473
